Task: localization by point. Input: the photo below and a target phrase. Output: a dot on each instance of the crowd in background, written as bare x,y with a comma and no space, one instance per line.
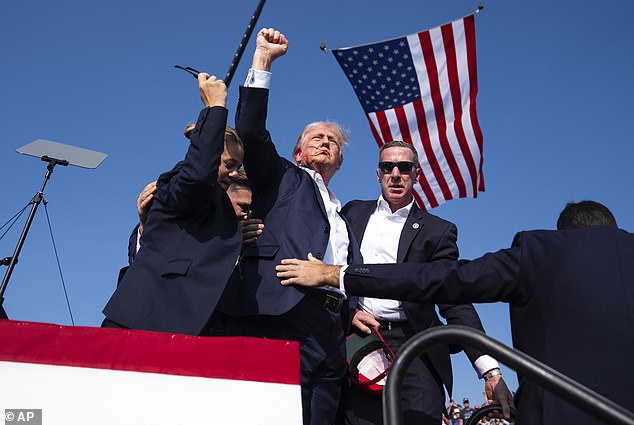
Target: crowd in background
459,414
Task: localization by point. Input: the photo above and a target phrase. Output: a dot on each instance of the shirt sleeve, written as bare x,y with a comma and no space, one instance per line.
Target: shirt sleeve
485,363
138,241
257,78
342,272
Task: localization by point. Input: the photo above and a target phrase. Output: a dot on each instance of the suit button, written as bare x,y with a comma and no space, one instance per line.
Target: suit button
327,229
319,256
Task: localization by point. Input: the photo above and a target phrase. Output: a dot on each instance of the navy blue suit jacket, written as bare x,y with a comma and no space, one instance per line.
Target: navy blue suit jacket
424,238
287,199
190,243
571,296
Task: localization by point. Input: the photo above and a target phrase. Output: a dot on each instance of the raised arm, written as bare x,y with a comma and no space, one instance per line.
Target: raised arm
261,160
189,185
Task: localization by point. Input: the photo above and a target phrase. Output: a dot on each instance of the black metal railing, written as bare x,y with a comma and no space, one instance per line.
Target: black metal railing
584,398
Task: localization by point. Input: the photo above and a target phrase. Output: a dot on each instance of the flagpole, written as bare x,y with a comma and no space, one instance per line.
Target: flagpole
243,44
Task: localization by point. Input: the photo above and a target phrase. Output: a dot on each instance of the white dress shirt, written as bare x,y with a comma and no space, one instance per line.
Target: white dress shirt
380,246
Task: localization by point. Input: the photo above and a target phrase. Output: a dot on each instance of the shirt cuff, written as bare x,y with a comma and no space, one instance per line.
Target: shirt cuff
138,242
485,363
258,78
341,285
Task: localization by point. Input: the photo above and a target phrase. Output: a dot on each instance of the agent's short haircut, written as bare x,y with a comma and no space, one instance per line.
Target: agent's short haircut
583,214
399,144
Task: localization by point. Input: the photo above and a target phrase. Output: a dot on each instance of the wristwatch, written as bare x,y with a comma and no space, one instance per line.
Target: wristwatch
491,374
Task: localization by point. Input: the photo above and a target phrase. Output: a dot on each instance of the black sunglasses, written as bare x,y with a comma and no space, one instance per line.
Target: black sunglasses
403,166
190,70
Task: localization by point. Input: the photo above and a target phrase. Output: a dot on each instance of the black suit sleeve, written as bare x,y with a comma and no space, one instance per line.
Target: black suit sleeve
262,163
447,247
132,244
187,187
456,314
493,277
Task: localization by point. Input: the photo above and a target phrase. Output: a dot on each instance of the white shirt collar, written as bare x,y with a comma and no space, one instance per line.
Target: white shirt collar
383,207
320,181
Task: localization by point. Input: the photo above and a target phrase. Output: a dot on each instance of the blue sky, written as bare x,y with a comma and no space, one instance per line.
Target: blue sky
555,106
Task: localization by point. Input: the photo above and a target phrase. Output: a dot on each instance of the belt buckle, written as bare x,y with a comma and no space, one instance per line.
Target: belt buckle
385,325
333,303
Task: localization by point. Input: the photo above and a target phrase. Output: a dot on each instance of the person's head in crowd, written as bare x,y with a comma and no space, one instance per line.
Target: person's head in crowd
239,193
455,413
231,158
583,214
397,172
320,148
465,402
230,162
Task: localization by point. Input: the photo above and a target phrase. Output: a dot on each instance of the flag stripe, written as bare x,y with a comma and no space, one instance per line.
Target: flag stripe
432,73
429,116
448,110
426,110
406,135
463,74
429,153
384,126
454,87
469,24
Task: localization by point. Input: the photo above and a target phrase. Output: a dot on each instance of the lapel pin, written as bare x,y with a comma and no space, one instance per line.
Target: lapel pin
415,225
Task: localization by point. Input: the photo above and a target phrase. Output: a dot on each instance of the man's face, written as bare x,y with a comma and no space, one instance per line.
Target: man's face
396,186
230,161
241,200
320,148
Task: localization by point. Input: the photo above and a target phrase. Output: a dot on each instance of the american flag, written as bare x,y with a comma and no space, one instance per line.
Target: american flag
422,89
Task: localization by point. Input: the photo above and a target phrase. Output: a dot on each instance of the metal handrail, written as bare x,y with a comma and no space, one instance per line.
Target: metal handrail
584,398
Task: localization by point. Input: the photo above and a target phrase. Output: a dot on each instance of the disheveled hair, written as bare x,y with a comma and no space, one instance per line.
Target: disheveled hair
340,134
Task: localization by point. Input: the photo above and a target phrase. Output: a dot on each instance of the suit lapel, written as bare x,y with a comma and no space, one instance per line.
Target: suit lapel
360,220
413,225
320,200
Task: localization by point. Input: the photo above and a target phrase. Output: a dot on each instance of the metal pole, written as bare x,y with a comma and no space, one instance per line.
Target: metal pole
561,385
243,43
36,202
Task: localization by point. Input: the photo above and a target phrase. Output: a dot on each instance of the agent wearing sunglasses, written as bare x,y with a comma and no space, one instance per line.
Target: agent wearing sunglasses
394,230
